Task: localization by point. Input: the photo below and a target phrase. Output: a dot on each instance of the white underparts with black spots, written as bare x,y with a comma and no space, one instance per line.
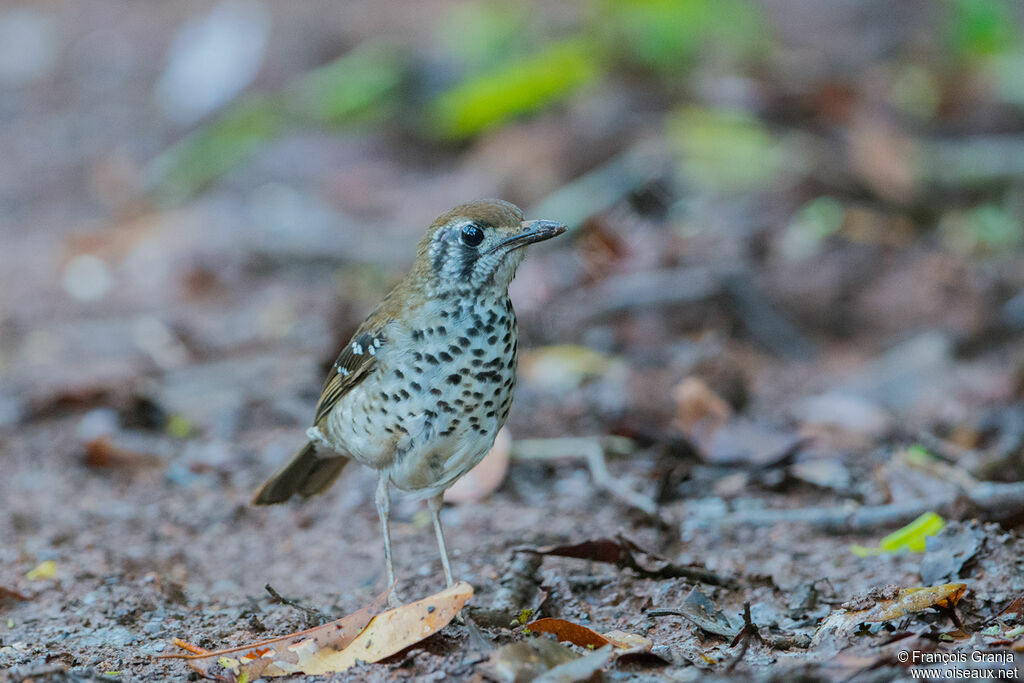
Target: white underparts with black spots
438,393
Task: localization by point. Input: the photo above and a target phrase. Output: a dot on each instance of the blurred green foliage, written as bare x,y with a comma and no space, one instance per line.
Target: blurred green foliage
984,229
668,35
482,35
981,27
725,150
211,151
518,87
814,222
352,88
507,71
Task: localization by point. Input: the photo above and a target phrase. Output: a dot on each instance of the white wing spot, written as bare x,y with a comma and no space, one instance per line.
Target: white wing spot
357,349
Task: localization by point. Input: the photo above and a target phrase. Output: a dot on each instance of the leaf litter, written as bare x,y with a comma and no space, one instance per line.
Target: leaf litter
367,635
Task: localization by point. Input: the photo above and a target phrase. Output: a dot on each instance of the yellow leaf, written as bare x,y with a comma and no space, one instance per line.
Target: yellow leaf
42,571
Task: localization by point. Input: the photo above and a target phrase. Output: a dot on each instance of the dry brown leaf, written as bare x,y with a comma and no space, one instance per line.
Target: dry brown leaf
623,552
487,476
272,657
339,645
11,594
904,601
585,637
103,454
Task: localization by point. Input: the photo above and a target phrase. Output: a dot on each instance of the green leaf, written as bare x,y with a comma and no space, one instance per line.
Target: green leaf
200,157
516,88
912,537
353,87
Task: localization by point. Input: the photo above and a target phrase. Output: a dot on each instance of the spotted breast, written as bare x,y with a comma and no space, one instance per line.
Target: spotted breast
440,391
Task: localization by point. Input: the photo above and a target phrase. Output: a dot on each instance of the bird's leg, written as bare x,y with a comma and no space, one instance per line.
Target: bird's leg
435,511
383,501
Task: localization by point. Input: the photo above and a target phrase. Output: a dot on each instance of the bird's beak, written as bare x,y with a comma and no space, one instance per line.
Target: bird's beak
531,231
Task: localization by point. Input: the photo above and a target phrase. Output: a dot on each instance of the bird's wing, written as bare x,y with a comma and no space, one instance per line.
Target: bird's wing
354,364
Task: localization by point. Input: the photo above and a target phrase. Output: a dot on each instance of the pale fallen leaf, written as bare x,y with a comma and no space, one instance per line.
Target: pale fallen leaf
487,476
339,645
526,660
894,604
700,412
266,658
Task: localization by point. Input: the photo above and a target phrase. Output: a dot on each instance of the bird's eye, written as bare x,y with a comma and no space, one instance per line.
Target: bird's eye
472,235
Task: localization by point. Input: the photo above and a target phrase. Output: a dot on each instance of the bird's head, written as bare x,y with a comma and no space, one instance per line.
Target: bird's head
476,247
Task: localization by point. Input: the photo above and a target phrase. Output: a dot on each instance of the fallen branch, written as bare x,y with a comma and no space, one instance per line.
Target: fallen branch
992,500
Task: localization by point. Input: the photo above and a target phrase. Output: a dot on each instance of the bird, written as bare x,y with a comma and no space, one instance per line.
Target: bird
422,388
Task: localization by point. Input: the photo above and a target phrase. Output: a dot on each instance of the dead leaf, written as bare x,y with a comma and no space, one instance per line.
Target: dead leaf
1016,606
947,552
264,658
487,476
580,669
11,594
364,636
888,603
568,631
703,612
700,412
601,249
622,552
586,637
527,659
102,453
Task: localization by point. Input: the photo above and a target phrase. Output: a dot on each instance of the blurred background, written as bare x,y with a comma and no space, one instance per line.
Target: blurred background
796,244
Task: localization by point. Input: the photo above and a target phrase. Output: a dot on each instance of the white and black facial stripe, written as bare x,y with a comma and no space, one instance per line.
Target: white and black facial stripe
459,257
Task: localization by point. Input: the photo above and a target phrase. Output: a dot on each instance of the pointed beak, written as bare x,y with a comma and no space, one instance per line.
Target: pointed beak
530,232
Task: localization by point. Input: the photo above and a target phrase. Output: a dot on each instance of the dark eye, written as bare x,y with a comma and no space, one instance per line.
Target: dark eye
472,235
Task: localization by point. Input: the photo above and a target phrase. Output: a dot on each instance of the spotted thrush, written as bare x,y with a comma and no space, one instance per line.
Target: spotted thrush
423,387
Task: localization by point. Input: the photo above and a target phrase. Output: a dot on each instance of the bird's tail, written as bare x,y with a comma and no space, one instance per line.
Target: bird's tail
305,474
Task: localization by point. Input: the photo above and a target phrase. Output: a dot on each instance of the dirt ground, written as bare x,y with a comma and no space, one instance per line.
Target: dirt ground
753,385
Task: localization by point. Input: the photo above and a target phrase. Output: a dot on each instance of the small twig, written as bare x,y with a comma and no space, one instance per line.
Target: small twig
997,500
593,449
636,291
747,633
312,614
599,471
